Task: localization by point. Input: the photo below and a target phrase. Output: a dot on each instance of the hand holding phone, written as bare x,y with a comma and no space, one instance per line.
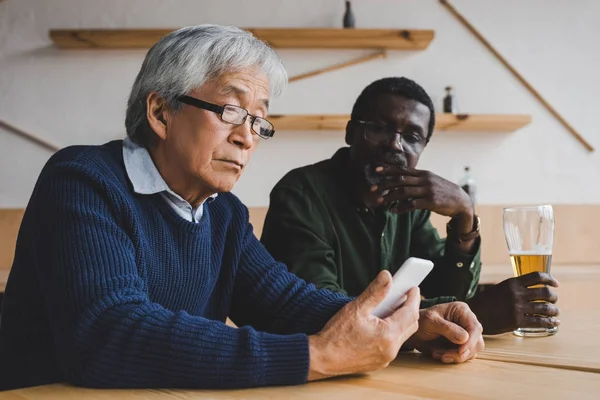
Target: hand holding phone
410,275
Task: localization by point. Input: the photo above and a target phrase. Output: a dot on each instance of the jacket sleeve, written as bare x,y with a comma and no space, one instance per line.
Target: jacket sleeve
454,273
296,233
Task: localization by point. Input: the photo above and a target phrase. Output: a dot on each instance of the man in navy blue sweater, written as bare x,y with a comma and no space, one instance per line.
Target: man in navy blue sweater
131,255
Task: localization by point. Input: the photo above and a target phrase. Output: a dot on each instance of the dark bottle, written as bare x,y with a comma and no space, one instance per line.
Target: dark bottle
449,103
349,21
467,183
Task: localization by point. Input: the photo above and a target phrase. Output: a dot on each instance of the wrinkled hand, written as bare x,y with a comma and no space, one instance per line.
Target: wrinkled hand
511,304
355,341
414,189
448,332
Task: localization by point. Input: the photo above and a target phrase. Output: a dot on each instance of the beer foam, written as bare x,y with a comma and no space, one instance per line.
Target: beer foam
536,252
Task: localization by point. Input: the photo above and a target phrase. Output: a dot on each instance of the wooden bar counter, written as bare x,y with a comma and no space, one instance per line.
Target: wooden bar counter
411,377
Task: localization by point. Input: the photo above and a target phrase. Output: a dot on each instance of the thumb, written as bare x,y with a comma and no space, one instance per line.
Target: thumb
450,331
375,292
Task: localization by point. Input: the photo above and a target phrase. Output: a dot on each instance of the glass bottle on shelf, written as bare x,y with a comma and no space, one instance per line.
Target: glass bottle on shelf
349,21
467,183
450,101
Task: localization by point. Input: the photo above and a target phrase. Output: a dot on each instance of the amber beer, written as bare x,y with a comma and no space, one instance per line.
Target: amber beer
529,233
526,263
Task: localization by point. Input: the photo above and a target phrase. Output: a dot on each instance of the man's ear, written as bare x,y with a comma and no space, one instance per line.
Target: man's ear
350,127
156,113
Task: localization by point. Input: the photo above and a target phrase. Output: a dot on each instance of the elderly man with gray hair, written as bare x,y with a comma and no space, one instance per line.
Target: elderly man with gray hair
131,255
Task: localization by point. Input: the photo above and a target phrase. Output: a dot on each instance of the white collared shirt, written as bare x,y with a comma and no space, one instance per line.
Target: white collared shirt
146,179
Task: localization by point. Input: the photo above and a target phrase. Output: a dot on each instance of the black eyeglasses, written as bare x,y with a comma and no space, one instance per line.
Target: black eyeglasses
233,115
378,133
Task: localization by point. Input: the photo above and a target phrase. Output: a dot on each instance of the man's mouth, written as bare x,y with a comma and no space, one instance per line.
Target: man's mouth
383,157
394,162
233,163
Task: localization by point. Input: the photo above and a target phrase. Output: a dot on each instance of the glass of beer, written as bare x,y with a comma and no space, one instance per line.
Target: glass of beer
529,233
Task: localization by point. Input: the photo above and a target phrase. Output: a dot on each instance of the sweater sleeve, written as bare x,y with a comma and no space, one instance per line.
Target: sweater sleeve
108,332
285,303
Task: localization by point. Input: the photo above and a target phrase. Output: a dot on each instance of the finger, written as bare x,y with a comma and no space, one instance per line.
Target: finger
403,207
403,193
412,204
413,298
451,331
546,309
455,355
481,345
544,293
408,313
449,356
402,299
391,170
469,349
537,278
440,350
374,293
469,321
437,353
536,321
478,348
397,181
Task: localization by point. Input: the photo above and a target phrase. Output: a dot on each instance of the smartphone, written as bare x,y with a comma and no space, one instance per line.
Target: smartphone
410,275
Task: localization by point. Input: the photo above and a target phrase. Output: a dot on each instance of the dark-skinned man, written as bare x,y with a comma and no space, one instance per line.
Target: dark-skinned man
338,222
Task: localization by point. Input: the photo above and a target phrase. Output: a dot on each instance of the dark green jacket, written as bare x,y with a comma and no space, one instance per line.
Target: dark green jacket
317,227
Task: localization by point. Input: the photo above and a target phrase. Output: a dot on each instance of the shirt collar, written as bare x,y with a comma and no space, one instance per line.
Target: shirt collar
142,172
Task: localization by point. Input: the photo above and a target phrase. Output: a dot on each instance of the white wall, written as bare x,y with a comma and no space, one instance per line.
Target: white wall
75,97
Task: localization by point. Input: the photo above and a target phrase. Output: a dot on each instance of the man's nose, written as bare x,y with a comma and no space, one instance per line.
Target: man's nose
242,135
396,142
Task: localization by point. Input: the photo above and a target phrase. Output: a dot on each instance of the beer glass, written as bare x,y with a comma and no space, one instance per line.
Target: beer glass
529,233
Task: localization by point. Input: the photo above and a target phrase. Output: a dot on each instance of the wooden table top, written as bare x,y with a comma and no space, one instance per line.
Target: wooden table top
412,377
509,367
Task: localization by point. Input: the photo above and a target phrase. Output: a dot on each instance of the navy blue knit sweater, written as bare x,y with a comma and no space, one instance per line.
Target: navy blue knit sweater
113,289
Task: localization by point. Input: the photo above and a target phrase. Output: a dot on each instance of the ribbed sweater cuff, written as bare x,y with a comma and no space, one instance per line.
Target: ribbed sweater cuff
286,359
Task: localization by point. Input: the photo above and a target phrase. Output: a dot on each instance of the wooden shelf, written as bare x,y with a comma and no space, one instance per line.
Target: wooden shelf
444,122
481,122
309,122
332,38
291,38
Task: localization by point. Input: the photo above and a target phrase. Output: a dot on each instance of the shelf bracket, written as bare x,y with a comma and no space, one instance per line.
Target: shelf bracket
29,136
517,75
379,54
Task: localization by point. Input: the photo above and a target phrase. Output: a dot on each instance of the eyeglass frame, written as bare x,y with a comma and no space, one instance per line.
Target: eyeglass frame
217,109
391,130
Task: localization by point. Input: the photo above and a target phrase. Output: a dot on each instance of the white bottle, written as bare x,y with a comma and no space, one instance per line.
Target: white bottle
467,183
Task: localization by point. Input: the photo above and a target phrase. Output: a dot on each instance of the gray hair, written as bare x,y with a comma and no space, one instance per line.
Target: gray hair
185,59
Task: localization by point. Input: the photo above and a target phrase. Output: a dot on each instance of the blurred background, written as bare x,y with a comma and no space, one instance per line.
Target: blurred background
68,97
